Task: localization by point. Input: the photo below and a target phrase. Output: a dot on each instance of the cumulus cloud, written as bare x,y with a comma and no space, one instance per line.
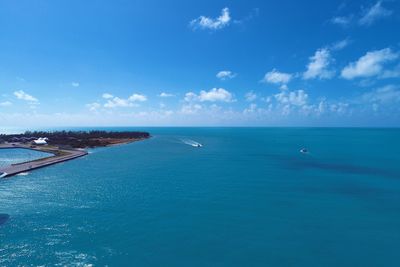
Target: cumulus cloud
318,67
137,98
339,107
190,96
216,94
116,102
107,96
277,77
191,108
164,94
371,64
296,98
213,95
374,13
5,104
225,75
24,96
220,22
250,96
250,109
75,84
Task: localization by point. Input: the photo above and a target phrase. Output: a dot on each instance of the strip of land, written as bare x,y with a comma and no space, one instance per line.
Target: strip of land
62,145
59,155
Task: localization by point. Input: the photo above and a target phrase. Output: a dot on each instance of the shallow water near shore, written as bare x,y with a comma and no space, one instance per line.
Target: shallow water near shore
9,156
247,197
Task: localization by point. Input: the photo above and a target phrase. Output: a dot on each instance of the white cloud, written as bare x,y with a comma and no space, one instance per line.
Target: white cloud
339,108
117,102
395,73
340,44
284,87
24,96
137,98
164,94
371,64
383,95
216,94
5,104
107,96
191,108
190,96
251,109
75,84
366,18
220,22
296,98
277,77
318,65
225,75
93,106
342,21
250,96
374,13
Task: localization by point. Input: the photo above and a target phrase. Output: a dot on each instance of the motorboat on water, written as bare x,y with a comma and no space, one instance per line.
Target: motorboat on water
303,150
197,145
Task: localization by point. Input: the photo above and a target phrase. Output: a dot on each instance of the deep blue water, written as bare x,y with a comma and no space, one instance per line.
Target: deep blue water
10,156
246,198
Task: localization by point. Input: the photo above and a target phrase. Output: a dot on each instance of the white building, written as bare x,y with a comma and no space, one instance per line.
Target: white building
40,141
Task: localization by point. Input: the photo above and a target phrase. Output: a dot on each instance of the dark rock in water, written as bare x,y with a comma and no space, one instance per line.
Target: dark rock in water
4,218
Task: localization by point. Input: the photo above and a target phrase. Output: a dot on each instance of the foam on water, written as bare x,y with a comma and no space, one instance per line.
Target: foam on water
23,174
191,143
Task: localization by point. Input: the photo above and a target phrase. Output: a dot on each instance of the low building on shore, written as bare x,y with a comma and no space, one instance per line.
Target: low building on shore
40,141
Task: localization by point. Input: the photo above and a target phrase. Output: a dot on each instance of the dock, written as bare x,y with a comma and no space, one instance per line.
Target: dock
59,155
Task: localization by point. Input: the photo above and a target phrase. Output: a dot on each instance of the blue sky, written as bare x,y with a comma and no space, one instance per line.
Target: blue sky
191,63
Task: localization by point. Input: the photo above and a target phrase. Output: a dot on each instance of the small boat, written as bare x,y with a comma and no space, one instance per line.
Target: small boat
3,174
197,145
304,150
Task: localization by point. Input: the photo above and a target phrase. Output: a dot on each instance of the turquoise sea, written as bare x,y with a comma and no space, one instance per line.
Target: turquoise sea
248,197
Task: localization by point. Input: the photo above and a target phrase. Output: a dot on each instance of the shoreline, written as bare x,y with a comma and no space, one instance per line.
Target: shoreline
58,155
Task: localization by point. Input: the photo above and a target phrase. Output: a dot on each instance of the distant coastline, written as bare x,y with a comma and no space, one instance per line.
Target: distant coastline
74,139
64,145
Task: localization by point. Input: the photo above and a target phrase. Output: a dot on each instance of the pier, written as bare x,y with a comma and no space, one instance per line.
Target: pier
59,155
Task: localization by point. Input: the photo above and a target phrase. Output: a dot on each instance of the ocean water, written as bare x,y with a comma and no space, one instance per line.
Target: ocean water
247,197
10,156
